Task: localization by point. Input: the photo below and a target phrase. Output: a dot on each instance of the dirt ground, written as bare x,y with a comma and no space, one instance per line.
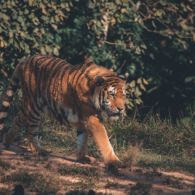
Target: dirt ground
65,176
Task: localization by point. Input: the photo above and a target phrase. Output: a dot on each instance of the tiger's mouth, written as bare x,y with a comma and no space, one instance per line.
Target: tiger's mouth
115,116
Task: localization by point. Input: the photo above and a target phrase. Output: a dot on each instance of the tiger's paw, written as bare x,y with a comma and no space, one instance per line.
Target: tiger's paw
112,167
36,149
86,160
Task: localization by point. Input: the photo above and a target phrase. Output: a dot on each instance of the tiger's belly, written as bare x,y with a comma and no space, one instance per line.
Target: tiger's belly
71,116
63,115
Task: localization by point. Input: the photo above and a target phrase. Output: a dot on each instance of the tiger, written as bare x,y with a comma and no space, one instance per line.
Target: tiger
77,95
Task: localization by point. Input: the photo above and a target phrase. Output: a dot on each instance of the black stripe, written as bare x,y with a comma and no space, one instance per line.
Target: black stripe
63,114
42,78
83,68
74,76
52,104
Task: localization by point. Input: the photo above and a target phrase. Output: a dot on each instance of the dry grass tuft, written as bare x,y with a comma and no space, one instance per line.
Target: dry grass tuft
36,182
141,189
131,156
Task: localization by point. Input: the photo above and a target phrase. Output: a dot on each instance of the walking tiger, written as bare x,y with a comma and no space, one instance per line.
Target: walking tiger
77,95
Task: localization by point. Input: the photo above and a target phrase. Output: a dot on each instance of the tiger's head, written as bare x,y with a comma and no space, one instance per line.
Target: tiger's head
109,96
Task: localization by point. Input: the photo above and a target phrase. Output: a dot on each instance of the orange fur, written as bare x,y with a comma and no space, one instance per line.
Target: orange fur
76,95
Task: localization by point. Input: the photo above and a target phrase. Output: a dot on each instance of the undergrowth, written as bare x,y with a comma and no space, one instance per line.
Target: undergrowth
157,135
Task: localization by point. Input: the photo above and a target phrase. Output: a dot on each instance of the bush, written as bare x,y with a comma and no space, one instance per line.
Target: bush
138,39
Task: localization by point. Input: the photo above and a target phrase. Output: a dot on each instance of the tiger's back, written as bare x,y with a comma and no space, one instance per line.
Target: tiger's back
45,84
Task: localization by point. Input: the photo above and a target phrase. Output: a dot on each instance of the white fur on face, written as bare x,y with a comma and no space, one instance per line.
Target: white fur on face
111,89
95,98
124,91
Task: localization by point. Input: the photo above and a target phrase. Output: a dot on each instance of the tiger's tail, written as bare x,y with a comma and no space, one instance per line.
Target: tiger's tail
8,97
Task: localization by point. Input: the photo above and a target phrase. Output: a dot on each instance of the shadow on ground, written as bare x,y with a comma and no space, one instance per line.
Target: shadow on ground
59,174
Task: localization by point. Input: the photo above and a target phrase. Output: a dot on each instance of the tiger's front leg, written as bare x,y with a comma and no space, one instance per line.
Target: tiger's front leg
98,131
82,138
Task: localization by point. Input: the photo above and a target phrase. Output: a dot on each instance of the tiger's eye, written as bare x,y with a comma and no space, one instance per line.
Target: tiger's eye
112,93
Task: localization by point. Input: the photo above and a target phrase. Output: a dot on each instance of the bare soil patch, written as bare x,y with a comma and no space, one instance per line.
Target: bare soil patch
60,174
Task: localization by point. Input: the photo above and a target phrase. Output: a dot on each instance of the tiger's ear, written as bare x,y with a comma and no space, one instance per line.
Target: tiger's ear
99,81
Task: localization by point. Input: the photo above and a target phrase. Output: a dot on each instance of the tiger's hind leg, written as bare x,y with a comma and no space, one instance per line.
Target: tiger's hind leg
18,122
30,117
33,138
31,124
33,141
33,133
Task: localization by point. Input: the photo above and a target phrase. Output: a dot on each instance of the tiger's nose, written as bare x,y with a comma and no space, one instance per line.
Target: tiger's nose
120,109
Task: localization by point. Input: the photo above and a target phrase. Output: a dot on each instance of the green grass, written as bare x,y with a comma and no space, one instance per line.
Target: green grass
168,162
163,144
158,135
149,143
91,171
4,191
4,165
39,183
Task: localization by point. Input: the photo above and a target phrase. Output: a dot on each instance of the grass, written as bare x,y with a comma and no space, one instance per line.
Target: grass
4,165
150,143
4,191
158,135
91,171
141,189
39,183
168,162
131,155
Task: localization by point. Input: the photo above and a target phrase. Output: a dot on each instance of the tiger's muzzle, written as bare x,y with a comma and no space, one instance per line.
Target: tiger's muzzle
116,114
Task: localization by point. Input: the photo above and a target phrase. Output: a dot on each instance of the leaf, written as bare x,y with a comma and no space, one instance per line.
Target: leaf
132,84
4,17
56,51
2,44
48,49
142,87
145,81
43,51
138,101
137,92
43,9
54,26
159,13
190,79
139,81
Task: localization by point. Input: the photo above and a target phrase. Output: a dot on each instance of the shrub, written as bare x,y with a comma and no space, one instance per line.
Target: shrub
138,39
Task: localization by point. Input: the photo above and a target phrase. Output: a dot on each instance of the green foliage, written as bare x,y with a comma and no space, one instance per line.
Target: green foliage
42,184
142,39
134,92
30,27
